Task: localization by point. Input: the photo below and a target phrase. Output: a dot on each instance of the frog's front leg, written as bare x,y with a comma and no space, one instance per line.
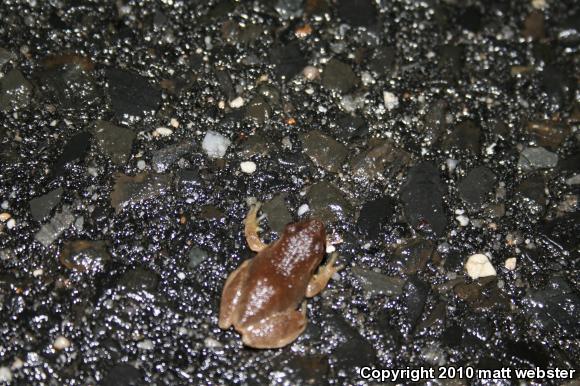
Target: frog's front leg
251,227
276,330
319,281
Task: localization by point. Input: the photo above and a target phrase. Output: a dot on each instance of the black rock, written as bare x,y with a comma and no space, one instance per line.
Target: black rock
383,60
15,91
288,60
422,197
382,158
338,76
435,121
528,354
557,84
374,216
114,141
451,59
123,375
570,163
465,135
470,18
75,149
258,109
533,189
40,207
70,86
5,56
355,351
413,255
349,127
189,182
357,13
226,84
324,151
89,256
139,278
475,187
565,230
415,295
131,95
555,306
162,159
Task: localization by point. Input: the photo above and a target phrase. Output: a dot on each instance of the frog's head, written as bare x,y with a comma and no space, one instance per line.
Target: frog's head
310,232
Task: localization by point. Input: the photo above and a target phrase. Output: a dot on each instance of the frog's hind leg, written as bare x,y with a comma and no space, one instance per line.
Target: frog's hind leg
231,295
251,228
276,330
319,281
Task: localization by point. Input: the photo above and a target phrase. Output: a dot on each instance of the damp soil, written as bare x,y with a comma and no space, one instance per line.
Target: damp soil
135,135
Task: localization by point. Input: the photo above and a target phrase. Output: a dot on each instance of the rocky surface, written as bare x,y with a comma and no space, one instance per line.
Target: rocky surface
134,135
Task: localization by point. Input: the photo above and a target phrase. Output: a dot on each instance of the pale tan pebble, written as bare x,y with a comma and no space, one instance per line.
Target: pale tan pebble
60,343
5,216
174,123
510,263
478,265
311,73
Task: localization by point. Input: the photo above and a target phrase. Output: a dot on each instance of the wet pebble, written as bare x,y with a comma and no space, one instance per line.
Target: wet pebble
324,151
327,202
338,76
422,197
215,145
381,159
131,95
357,12
374,283
413,255
163,158
129,190
478,265
52,230
114,141
374,215
476,186
41,206
15,91
532,158
277,212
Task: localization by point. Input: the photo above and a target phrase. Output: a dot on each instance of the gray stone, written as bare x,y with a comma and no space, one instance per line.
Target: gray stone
324,151
327,202
15,91
41,206
278,214
163,158
114,141
196,257
51,231
338,76
475,187
532,158
6,56
381,159
374,283
130,190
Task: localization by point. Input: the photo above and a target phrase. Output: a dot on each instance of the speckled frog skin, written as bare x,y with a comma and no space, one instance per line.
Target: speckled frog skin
261,298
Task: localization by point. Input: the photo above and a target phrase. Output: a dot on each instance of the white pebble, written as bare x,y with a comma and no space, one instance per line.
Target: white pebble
146,344
311,72
141,164
237,103
181,275
5,375
303,209
478,265
391,101
211,343
330,248
451,164
11,224
174,123
5,205
61,343
463,220
248,167
163,131
510,263
37,272
215,145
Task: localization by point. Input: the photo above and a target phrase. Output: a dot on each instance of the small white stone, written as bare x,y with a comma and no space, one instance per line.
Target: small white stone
11,224
303,209
215,145
463,220
211,343
391,101
174,123
181,275
141,165
60,343
248,167
510,263
146,344
237,102
539,4
5,205
163,131
330,248
5,375
222,105
311,72
451,164
37,272
478,265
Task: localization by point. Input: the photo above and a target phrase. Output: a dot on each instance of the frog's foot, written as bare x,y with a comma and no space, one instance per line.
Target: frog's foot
276,330
251,229
325,272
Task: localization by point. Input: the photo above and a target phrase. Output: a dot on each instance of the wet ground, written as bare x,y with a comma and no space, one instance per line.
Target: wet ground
134,135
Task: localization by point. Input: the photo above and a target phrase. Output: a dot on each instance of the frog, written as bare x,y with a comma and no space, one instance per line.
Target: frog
264,298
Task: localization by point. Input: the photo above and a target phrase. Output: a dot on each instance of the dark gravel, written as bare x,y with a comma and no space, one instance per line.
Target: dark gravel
420,132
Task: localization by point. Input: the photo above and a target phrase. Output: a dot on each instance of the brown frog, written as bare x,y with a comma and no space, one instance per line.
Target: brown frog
261,298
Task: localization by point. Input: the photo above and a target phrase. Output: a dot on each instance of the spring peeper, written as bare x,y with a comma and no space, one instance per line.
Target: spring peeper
261,298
